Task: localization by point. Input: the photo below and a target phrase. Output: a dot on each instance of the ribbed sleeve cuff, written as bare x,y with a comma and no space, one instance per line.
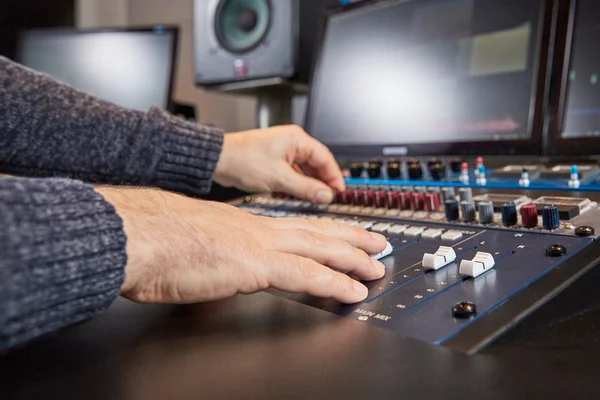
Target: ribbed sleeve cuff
190,154
63,257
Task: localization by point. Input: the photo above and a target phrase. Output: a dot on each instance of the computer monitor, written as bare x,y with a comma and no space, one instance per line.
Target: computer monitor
132,68
432,77
577,127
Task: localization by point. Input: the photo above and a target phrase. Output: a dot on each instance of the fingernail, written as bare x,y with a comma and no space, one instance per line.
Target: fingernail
378,237
360,290
324,196
379,265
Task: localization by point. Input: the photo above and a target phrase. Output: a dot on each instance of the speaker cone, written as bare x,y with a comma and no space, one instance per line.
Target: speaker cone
241,25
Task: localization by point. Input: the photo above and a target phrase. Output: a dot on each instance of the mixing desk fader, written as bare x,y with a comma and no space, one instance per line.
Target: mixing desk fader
454,259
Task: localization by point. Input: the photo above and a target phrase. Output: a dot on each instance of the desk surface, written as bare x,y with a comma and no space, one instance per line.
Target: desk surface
261,346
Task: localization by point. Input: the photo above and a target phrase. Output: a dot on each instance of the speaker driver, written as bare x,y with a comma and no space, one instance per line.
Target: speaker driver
241,25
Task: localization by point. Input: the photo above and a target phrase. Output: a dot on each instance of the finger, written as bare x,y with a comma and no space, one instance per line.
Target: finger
316,159
332,252
296,274
369,242
304,187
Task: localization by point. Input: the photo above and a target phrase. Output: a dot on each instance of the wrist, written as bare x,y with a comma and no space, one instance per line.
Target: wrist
140,251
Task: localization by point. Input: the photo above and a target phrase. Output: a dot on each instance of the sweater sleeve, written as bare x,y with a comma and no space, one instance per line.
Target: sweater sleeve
48,129
62,256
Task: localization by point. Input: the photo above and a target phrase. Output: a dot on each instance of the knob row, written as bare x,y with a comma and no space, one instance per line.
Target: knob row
529,214
374,169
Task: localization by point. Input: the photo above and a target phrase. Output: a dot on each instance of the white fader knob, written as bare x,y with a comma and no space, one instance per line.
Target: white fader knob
482,262
386,252
441,258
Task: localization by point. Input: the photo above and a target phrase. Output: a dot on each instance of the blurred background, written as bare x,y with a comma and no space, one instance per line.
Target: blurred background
229,111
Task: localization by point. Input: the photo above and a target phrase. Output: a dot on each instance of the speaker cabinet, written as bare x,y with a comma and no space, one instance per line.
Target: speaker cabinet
243,40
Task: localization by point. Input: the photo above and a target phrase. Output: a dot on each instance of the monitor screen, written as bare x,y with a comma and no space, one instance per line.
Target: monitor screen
582,115
427,71
132,69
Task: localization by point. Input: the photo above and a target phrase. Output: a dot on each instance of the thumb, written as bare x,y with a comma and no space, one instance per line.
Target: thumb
304,187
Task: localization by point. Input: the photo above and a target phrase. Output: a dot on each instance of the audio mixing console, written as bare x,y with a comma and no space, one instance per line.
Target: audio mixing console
455,257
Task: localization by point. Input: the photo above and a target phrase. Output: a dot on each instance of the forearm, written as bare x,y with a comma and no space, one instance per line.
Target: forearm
63,256
48,129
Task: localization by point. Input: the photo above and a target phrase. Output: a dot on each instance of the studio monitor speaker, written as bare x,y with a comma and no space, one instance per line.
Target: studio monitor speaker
242,40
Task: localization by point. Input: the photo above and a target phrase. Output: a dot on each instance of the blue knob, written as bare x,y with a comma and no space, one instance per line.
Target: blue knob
550,218
509,214
451,207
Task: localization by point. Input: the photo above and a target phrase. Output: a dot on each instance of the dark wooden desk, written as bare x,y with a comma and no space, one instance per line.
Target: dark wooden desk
259,347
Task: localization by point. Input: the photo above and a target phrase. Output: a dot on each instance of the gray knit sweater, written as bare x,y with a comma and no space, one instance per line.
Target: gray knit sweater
62,246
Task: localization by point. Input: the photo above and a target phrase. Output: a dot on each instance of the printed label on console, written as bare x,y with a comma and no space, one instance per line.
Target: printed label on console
372,314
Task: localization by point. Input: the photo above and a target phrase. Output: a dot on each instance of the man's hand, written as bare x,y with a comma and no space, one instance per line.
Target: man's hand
280,159
182,250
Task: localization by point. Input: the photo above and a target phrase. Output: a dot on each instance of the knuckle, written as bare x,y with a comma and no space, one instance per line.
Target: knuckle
308,270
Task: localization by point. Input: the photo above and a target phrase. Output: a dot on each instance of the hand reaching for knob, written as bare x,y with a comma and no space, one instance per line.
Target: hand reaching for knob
279,159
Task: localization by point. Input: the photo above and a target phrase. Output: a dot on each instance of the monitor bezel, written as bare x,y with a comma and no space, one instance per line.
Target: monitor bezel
531,146
556,145
173,30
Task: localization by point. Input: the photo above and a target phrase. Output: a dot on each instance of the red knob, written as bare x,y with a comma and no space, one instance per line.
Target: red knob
432,202
381,200
418,201
529,215
348,197
369,198
340,197
393,200
357,197
405,201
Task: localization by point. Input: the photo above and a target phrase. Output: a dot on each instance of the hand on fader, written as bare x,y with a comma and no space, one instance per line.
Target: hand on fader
279,159
182,250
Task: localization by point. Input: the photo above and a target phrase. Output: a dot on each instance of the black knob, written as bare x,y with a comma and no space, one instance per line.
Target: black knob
437,171
356,170
393,169
464,310
456,164
374,169
509,214
550,218
452,210
556,250
414,170
585,231
432,162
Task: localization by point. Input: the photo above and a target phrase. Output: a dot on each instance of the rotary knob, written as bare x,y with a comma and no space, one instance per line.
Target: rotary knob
432,202
381,199
393,199
357,198
393,169
509,214
340,197
452,213
374,169
448,193
529,215
486,212
405,202
356,170
414,170
436,169
369,198
466,194
550,218
455,165
418,201
467,209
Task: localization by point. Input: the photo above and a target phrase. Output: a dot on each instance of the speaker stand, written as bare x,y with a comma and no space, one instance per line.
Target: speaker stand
274,108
